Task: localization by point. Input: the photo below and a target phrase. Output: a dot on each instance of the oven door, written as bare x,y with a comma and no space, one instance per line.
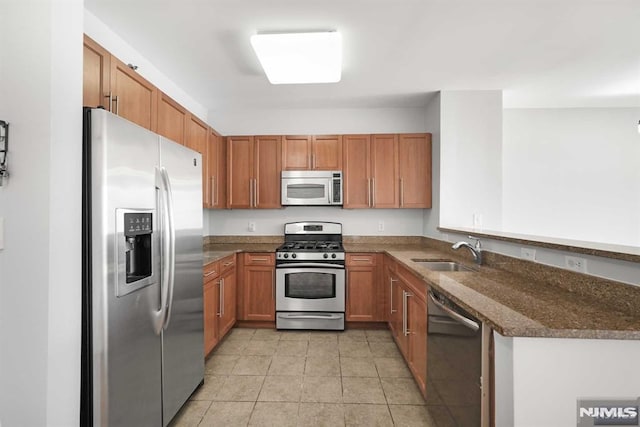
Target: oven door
310,287
306,191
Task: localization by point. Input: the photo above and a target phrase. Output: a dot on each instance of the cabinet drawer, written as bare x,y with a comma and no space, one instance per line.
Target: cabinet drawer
259,258
211,271
415,284
355,260
227,263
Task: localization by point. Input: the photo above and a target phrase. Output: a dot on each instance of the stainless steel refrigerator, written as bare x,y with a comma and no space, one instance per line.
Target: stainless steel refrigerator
142,352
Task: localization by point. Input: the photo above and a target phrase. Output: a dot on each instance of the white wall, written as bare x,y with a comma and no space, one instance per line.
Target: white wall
41,97
549,375
359,222
431,220
317,121
572,173
470,159
122,50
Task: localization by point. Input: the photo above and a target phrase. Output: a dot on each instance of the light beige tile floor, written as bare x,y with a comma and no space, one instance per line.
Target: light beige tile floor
261,377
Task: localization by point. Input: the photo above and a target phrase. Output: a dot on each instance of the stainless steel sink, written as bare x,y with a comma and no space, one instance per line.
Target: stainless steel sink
441,265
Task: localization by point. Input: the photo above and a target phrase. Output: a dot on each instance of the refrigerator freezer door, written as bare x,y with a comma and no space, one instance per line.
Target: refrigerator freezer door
183,337
126,362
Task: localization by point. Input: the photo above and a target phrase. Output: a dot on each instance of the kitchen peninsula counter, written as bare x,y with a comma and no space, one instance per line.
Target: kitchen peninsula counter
521,303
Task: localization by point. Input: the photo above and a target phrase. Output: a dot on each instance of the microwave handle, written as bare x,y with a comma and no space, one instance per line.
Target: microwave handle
330,191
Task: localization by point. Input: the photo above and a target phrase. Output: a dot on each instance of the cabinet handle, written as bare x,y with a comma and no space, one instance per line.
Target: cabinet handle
222,299
360,260
210,273
250,193
373,192
219,313
391,293
213,191
259,259
255,193
405,326
110,96
115,99
369,192
227,264
313,161
401,192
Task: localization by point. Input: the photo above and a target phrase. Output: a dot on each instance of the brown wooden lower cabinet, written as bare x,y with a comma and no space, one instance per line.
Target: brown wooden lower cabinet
417,330
407,318
364,299
258,287
211,273
228,295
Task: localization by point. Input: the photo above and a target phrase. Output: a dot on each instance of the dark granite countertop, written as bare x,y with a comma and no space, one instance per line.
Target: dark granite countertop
514,301
516,305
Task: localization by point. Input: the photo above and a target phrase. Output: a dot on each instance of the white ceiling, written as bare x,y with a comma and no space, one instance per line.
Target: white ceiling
541,53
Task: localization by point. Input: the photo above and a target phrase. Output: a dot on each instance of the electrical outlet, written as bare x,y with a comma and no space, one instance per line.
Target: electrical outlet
380,225
576,264
528,254
252,226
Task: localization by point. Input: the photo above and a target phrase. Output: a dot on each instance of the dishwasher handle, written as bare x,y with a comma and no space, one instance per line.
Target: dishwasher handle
471,324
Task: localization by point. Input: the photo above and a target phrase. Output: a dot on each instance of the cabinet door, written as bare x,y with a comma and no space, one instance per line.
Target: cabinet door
211,304
217,170
172,118
414,165
363,299
384,171
361,292
356,173
326,152
134,98
296,152
196,139
417,324
197,132
267,168
227,302
240,176
95,77
259,293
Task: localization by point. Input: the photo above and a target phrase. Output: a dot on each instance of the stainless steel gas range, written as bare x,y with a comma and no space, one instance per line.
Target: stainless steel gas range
310,277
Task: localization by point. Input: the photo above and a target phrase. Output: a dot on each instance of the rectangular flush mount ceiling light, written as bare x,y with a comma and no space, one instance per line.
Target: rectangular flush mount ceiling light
300,57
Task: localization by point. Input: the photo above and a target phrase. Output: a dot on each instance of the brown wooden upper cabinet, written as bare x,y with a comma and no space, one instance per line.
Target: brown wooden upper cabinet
216,172
111,84
96,71
197,137
370,171
317,152
414,167
132,96
253,177
172,119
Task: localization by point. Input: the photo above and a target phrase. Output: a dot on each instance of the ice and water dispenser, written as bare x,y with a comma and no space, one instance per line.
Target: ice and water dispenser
134,250
137,233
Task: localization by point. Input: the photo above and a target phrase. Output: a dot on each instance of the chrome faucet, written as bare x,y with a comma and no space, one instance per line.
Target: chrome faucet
476,251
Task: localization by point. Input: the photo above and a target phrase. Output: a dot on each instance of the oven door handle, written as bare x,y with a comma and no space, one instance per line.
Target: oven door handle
454,315
310,316
311,264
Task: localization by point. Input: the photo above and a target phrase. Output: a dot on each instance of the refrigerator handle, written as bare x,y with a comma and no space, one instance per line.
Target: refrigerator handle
165,249
171,247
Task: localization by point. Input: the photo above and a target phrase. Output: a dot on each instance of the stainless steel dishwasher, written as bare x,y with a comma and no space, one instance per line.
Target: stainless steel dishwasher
457,363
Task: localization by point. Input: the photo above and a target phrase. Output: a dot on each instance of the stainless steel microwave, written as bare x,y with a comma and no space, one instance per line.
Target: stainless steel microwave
309,188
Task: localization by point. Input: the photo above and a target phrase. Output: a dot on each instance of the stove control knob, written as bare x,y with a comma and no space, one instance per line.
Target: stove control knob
286,255
333,255
325,256
294,256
